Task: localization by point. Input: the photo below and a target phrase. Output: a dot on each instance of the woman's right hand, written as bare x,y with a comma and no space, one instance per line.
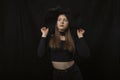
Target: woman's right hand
44,31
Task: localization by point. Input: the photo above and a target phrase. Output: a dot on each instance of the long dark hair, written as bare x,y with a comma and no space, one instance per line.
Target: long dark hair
51,16
55,39
51,20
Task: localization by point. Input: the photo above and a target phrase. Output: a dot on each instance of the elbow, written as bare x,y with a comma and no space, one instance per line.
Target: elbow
39,53
87,53
84,53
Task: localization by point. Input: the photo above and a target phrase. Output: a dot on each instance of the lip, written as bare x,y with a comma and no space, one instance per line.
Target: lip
61,25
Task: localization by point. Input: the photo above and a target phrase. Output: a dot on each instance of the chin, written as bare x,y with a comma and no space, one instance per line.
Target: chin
61,28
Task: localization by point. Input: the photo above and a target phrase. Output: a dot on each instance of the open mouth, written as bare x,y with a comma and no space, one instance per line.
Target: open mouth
61,25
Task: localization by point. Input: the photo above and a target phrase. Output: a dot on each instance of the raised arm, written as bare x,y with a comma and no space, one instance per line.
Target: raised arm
41,47
42,44
81,45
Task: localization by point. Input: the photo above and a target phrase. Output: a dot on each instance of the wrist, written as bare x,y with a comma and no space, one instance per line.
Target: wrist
80,36
44,36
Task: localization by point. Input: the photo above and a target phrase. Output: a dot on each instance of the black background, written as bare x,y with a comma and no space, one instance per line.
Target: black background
20,34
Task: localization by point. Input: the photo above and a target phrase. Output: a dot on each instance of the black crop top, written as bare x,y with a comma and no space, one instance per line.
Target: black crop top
61,54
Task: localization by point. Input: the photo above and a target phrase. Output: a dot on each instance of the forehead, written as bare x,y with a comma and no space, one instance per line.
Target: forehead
62,16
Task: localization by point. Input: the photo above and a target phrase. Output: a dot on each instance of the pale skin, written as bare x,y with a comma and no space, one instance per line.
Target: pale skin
62,24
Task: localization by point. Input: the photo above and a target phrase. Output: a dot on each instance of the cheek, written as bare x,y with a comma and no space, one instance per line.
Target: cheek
66,24
58,23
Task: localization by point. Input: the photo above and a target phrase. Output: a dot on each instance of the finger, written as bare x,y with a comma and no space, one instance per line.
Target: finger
44,28
79,30
47,29
82,30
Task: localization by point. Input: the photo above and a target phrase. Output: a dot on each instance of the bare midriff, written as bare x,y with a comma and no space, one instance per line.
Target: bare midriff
62,65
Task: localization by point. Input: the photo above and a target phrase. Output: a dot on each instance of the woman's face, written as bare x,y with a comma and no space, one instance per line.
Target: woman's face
62,22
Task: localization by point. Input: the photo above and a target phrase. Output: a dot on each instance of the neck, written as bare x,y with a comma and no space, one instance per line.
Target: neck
62,33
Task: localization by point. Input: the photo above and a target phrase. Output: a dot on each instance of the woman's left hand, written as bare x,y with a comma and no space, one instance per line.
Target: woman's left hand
80,32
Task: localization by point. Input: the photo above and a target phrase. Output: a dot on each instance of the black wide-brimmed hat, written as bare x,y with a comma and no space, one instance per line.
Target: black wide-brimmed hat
52,14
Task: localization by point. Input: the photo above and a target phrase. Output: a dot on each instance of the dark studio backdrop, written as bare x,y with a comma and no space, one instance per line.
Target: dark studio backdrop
20,25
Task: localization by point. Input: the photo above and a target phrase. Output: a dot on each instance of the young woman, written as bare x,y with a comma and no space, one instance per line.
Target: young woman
63,48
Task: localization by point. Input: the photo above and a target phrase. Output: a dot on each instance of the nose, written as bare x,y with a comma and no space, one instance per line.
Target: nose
62,22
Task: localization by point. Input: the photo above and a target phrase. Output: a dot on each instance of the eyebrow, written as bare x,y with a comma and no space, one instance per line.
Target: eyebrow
63,18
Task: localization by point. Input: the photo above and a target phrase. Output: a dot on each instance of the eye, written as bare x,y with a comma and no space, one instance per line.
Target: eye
65,20
59,19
